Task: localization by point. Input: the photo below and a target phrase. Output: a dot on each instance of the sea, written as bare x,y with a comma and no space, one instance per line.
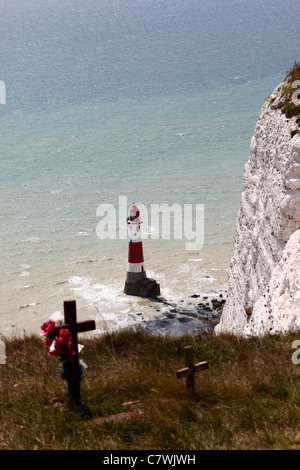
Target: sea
106,102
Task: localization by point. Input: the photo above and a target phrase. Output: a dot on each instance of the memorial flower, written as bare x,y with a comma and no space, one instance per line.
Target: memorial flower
61,347
46,329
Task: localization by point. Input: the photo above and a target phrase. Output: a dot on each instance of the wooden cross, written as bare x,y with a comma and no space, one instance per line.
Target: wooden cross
74,328
190,368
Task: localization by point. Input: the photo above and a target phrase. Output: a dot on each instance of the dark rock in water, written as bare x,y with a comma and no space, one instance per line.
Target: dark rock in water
162,323
170,315
184,316
184,319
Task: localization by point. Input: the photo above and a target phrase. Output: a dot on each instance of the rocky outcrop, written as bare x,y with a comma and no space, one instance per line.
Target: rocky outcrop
264,275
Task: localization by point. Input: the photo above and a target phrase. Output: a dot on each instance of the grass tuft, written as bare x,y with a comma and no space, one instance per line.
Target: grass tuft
287,102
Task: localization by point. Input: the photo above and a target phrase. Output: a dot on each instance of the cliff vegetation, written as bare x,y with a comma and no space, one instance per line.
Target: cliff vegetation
289,100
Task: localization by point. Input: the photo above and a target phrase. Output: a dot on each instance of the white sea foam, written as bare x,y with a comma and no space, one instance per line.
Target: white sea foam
83,234
24,274
30,240
33,304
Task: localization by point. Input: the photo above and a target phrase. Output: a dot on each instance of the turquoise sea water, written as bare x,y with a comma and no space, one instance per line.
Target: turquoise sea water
153,100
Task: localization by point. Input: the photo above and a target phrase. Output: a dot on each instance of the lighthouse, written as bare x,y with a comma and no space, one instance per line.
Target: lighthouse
137,282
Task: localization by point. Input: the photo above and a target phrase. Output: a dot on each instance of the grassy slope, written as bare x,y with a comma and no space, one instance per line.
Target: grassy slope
247,399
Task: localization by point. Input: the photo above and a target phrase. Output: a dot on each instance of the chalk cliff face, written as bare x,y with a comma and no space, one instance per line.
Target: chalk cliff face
264,275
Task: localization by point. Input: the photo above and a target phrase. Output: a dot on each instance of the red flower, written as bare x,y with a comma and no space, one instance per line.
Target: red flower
64,335
46,329
63,345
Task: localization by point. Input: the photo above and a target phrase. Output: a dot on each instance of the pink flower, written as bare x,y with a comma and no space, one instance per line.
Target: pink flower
46,329
63,345
64,335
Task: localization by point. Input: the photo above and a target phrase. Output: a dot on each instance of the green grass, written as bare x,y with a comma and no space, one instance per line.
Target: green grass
247,399
285,103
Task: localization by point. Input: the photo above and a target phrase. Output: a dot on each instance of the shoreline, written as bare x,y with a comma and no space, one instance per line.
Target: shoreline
199,315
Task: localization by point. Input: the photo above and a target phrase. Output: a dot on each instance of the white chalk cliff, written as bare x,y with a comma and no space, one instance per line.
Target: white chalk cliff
264,274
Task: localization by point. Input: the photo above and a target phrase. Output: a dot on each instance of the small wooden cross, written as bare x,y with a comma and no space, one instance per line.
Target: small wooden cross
74,328
190,368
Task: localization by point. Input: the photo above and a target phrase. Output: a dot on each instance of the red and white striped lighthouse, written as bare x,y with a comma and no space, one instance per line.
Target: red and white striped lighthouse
135,247
137,282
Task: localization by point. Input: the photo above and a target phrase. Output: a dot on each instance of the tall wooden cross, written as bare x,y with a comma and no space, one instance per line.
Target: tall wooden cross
190,368
74,328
